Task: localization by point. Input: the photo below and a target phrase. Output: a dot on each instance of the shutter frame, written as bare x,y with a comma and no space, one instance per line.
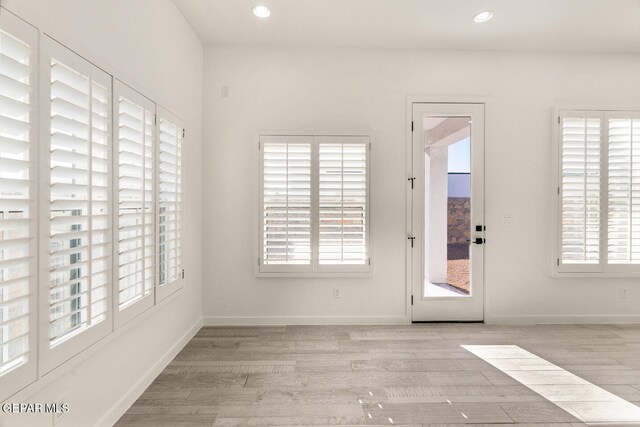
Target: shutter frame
271,142
125,101
314,269
16,375
612,232
99,226
608,147
354,150
174,283
568,116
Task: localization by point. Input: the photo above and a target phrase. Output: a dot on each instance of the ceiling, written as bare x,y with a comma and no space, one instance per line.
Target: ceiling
535,25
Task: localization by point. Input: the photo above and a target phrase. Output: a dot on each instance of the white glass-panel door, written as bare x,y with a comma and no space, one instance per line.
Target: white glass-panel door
447,236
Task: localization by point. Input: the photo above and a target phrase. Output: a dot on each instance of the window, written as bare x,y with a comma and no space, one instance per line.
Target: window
135,245
287,201
342,201
77,232
314,203
90,220
169,203
599,191
623,227
17,204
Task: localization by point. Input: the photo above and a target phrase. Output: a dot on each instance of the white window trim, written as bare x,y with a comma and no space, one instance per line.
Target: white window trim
147,301
169,288
313,270
602,269
21,376
52,357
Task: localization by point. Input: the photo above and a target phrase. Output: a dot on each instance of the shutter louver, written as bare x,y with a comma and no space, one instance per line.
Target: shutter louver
623,228
135,202
580,190
286,204
17,213
80,226
342,203
169,201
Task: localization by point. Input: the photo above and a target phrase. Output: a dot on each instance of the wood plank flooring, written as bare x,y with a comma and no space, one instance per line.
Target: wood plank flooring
414,375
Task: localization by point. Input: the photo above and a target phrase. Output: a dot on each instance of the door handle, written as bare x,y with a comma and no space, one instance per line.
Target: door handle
477,241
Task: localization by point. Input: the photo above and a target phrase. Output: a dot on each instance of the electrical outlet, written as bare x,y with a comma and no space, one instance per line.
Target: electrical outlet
507,218
336,292
623,292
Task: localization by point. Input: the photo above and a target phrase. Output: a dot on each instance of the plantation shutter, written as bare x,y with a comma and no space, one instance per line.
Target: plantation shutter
314,204
17,205
342,200
135,253
169,203
623,202
79,223
580,188
286,201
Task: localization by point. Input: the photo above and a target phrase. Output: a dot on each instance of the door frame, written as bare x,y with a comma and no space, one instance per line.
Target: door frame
419,99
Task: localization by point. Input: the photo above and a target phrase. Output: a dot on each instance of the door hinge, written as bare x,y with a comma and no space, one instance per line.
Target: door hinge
558,262
155,119
411,125
183,133
558,119
369,146
412,238
258,262
558,190
183,273
411,179
369,261
411,299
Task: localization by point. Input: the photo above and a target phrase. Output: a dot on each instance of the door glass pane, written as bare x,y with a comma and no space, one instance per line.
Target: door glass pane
447,156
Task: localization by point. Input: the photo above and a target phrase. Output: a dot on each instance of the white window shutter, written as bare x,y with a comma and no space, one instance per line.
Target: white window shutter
17,205
314,204
286,203
76,112
623,201
169,215
343,201
134,138
580,190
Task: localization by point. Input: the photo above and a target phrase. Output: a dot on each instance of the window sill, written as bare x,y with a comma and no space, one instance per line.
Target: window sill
595,275
316,275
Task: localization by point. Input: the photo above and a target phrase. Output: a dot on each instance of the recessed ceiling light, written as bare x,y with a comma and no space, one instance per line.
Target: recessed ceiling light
483,16
261,11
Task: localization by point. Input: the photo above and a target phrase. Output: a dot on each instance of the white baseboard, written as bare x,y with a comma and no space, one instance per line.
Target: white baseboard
121,406
304,320
524,319
404,320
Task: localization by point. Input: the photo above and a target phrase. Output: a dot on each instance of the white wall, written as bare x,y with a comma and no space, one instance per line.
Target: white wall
149,45
333,90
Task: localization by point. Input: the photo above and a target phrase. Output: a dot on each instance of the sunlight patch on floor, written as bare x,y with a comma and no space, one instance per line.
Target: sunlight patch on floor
582,399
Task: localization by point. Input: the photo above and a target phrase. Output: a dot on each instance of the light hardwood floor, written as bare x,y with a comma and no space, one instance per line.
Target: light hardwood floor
415,375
